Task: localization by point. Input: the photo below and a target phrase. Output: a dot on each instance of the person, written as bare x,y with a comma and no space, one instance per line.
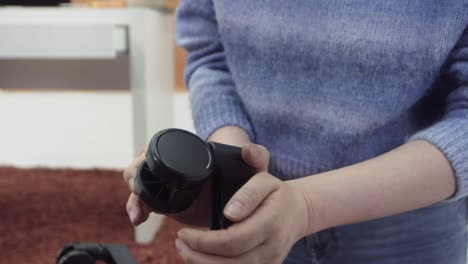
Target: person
355,115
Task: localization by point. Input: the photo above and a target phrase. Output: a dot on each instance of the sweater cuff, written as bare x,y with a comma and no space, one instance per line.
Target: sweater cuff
214,113
450,135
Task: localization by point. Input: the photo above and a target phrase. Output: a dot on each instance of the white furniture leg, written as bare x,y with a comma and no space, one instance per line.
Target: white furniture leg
152,84
100,33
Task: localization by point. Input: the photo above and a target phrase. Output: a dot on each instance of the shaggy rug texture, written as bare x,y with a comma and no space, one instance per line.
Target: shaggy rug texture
43,209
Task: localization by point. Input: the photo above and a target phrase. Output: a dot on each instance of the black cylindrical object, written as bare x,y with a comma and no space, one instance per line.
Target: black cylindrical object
178,164
89,253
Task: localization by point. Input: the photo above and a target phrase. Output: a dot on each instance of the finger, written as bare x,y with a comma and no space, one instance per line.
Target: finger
144,149
271,251
193,257
250,196
136,211
131,171
234,241
256,156
263,253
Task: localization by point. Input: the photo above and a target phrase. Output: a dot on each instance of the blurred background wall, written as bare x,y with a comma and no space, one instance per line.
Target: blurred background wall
73,114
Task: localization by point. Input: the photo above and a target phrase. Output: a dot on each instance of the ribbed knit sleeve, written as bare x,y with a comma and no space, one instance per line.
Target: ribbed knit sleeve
214,100
450,134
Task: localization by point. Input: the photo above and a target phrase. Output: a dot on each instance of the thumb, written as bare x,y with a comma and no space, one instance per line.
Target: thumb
250,196
256,156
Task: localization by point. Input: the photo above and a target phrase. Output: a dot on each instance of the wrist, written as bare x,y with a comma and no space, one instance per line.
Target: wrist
306,210
230,135
312,202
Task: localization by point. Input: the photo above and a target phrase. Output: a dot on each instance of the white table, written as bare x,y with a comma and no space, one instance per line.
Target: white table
85,33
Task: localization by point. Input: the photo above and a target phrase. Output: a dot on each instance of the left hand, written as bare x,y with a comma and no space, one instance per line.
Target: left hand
270,217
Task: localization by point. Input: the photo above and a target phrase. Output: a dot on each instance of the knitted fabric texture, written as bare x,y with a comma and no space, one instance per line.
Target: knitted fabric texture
324,84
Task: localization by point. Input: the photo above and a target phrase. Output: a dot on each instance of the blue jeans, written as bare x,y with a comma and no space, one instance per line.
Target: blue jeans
433,235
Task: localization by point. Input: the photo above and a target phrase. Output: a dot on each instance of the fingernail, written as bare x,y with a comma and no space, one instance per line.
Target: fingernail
181,234
253,151
234,209
179,246
132,215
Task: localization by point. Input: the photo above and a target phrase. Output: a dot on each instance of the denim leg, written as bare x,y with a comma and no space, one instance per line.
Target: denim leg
301,253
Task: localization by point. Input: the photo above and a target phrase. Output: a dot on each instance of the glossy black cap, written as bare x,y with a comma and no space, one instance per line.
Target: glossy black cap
176,166
179,158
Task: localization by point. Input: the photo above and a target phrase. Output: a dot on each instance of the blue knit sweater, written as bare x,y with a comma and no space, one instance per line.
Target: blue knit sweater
326,83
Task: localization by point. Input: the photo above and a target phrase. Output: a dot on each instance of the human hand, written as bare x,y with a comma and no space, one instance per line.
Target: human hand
198,214
137,211
270,217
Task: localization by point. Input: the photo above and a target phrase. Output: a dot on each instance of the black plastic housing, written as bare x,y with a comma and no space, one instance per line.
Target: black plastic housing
89,253
178,164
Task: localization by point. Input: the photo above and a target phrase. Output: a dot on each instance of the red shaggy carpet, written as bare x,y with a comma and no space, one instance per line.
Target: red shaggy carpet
43,209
